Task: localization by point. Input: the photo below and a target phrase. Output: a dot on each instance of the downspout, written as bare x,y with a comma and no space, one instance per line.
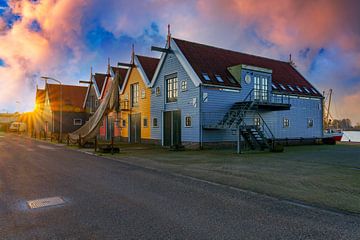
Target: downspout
200,117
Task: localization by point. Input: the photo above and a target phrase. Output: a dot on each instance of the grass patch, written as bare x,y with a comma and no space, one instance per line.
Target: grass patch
322,174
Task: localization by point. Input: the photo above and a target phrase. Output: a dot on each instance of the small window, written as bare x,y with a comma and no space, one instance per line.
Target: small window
123,123
143,94
157,91
183,85
257,121
77,121
291,88
282,86
286,122
231,79
299,89
310,123
314,91
273,86
306,90
96,103
219,79
187,121
145,122
155,122
206,76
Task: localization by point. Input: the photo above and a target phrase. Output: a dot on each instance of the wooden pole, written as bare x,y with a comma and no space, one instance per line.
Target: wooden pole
95,143
112,144
239,142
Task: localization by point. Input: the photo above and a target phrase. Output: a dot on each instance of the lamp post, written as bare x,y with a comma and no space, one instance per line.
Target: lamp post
61,103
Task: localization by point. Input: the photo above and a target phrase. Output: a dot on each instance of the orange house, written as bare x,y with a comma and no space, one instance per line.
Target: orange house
135,100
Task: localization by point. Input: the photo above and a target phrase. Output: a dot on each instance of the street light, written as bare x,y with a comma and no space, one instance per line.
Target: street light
61,103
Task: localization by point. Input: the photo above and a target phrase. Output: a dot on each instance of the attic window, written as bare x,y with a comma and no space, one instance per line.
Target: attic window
313,90
218,78
290,87
273,86
206,76
282,86
306,90
299,89
231,79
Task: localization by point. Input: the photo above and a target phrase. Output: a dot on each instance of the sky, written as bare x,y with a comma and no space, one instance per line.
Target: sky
64,38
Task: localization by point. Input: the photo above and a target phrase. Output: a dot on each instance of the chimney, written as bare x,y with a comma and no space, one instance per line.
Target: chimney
169,36
132,54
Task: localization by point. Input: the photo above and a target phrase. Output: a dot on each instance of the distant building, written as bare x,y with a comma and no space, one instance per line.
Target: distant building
204,95
74,115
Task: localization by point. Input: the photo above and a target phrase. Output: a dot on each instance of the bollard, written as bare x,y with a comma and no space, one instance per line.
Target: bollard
112,144
95,143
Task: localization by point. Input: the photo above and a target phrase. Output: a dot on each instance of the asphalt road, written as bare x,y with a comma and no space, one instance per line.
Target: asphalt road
106,199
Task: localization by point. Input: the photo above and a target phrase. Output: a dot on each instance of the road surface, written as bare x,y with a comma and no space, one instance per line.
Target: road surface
106,199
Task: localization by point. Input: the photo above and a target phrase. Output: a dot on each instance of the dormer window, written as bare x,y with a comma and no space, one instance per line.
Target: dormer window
273,86
206,76
299,89
313,90
219,79
291,88
231,79
282,87
306,90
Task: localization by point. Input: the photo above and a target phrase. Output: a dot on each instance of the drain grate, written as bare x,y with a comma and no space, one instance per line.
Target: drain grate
45,202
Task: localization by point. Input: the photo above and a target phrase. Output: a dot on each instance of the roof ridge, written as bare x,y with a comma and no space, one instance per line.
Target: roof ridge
138,55
233,51
65,85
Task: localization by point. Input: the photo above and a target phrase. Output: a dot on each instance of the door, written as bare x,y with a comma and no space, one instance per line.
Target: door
135,128
172,128
261,88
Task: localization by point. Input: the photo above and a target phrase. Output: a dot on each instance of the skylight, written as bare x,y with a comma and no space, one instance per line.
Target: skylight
206,76
313,90
290,87
231,79
299,89
218,78
306,90
282,86
273,86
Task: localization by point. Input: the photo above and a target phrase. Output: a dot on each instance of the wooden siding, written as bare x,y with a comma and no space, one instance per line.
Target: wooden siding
184,103
143,106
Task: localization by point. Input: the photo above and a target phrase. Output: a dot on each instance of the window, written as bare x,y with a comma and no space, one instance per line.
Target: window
306,90
273,86
290,87
77,121
96,103
143,94
123,123
282,86
145,122
171,89
155,122
286,122
134,94
206,76
157,91
187,121
299,89
257,121
218,78
310,123
183,85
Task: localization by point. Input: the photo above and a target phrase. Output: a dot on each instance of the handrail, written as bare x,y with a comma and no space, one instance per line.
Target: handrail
264,123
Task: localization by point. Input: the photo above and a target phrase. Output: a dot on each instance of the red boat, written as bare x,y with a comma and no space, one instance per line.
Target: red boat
335,134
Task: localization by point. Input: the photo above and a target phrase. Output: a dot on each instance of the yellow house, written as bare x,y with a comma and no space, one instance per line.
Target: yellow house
135,100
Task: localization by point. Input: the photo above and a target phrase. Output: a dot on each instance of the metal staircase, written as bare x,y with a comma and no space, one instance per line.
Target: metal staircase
237,117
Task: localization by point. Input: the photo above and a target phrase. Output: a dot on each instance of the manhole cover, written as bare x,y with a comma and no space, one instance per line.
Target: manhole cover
45,202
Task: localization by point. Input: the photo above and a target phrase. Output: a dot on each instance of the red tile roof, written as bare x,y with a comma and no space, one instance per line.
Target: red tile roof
100,80
149,65
215,61
72,97
122,72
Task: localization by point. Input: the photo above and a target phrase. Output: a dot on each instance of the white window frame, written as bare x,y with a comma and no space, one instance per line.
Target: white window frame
185,121
157,91
77,119
147,122
184,85
286,122
143,93
157,123
310,123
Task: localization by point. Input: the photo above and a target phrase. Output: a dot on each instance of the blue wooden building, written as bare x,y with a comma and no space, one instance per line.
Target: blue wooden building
204,95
